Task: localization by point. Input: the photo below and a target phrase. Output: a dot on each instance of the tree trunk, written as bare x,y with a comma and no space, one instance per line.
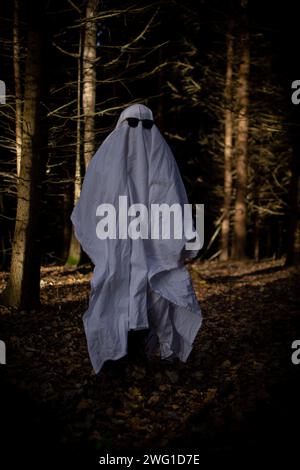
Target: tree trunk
88,105
24,282
66,232
257,236
74,255
258,215
17,80
228,132
89,80
240,222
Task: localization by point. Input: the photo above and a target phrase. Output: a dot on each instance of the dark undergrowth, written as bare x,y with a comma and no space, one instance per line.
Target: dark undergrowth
236,400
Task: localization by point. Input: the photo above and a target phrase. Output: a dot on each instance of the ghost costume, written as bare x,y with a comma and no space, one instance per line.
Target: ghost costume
137,283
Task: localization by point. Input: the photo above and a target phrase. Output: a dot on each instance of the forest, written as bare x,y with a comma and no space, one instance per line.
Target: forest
222,79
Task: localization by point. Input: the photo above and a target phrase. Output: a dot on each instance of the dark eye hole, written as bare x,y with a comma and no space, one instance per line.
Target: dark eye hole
147,123
133,122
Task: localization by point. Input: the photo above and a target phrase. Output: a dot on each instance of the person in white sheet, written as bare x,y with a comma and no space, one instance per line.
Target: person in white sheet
138,282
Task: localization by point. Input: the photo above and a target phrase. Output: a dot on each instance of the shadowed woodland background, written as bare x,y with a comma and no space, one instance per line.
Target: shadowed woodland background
218,76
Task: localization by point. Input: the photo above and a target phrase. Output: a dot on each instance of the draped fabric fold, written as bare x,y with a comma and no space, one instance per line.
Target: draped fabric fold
137,283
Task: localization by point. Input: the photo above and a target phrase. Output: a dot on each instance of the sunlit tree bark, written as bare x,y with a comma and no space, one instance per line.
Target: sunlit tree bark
74,254
24,281
240,221
17,80
89,80
228,135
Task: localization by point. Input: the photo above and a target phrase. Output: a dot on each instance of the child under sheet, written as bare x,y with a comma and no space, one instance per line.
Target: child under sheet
139,280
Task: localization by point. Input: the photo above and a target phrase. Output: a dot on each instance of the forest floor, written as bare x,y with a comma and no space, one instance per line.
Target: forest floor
238,393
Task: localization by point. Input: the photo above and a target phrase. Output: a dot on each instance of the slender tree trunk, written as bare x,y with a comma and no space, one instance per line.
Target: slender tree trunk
228,134
66,232
257,234
17,80
240,222
269,245
89,80
89,55
24,282
74,255
258,218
